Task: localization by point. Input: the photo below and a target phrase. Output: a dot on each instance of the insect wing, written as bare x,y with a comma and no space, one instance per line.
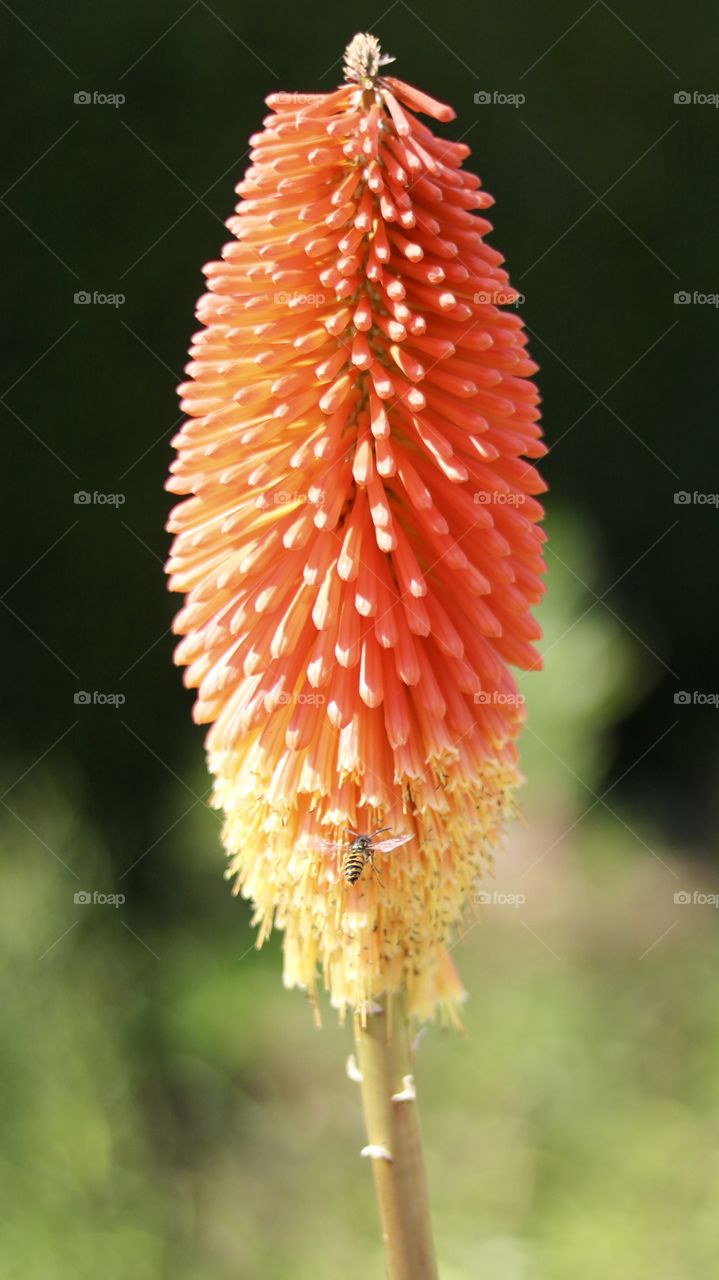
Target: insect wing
329,846
392,842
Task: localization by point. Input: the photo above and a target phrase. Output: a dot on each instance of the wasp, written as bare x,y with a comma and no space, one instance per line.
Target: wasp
362,850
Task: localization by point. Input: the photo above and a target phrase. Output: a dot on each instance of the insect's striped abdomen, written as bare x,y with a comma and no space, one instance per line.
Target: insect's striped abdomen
353,865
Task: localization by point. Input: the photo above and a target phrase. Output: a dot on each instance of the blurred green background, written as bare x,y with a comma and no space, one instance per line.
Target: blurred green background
170,1111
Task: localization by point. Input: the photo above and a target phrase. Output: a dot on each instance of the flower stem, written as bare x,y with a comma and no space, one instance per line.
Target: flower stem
384,1060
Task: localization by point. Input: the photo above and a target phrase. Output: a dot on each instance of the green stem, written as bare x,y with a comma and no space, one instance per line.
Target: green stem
383,1055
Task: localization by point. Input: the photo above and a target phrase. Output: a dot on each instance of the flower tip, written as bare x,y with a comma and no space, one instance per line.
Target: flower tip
363,59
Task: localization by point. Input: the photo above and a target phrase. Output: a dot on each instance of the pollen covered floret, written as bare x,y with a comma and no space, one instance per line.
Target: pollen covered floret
359,550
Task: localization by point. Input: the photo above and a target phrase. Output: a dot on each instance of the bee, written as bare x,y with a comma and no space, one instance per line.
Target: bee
362,850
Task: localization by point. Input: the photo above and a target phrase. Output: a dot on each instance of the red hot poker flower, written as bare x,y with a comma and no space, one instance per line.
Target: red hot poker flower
359,549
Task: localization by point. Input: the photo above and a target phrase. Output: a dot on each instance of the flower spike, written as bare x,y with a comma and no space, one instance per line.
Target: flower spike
358,542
